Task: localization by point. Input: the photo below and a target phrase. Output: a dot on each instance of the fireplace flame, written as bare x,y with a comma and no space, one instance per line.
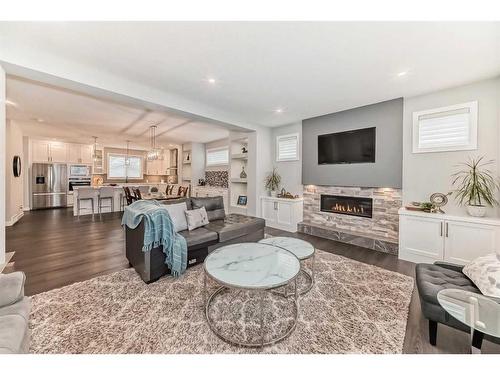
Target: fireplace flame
347,208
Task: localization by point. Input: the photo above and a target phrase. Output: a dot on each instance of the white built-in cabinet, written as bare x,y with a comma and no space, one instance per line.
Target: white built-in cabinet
59,152
159,167
426,237
281,213
82,154
46,151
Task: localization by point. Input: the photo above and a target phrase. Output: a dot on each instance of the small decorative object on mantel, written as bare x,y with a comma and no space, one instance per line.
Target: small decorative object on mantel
242,200
476,186
244,150
243,174
439,200
421,206
272,182
286,194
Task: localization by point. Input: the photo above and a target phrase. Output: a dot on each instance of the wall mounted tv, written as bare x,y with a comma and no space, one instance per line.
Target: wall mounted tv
353,146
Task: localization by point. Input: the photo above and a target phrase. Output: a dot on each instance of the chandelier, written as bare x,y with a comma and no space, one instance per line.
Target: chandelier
154,153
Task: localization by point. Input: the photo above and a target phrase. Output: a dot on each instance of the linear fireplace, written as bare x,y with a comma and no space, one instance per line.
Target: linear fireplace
354,206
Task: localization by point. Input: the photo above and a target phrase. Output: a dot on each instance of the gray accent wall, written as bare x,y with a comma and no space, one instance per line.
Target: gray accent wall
387,117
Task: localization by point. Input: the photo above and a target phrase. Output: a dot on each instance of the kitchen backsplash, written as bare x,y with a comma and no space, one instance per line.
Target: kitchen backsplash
217,178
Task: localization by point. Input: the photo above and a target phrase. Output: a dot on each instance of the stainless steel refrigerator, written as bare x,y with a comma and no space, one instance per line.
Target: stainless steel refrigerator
49,185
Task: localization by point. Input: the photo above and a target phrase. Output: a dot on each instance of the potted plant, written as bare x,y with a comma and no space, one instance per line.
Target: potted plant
476,186
273,181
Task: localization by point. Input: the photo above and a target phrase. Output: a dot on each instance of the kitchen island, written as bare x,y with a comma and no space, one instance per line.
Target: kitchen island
86,205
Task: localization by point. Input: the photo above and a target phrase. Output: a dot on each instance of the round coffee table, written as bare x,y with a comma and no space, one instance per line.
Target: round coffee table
302,250
255,267
477,311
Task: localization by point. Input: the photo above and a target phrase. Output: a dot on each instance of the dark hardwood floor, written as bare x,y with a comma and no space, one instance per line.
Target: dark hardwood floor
55,249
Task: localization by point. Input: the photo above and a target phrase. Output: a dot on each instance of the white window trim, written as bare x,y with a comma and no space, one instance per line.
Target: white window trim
216,149
126,177
471,106
279,137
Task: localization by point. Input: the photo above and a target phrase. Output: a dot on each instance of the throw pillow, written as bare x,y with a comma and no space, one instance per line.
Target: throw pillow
485,273
196,218
176,212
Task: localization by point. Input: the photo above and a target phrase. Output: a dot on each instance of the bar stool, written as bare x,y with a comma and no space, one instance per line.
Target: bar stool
106,194
86,194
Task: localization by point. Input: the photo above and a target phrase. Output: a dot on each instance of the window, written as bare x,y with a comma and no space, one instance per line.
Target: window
287,147
217,156
118,168
445,129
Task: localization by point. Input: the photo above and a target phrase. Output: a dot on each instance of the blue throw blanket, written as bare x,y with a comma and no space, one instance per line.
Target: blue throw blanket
158,230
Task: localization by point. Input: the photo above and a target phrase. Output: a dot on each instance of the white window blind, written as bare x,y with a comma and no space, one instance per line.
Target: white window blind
119,168
217,156
287,147
446,129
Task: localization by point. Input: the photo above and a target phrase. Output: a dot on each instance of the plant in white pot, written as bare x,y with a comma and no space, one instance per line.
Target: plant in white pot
476,186
273,181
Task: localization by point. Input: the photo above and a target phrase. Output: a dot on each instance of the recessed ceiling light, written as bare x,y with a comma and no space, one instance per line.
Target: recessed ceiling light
38,119
10,102
278,110
403,73
211,80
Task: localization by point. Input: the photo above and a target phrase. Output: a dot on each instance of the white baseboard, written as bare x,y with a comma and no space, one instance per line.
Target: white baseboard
26,209
14,219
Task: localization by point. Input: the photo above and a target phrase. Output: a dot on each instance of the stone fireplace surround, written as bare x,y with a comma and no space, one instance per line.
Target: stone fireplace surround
378,233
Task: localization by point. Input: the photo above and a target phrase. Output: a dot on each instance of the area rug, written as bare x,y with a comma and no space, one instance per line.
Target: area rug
353,308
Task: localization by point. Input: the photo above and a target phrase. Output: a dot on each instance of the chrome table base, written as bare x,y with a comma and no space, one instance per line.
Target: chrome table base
254,344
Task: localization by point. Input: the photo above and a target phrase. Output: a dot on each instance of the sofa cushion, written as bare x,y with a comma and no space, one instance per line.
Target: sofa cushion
198,236
14,330
178,200
196,218
213,205
485,273
11,288
432,278
235,225
177,213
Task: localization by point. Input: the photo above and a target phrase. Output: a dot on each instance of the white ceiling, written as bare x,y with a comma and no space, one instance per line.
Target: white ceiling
305,68
56,113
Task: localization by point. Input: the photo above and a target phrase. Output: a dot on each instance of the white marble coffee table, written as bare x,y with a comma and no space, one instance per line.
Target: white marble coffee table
251,266
302,250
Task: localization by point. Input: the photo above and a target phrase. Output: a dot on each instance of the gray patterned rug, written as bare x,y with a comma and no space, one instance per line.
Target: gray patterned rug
353,308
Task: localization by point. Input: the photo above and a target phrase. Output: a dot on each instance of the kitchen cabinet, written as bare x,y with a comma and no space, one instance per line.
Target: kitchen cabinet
82,154
282,213
49,152
158,167
426,238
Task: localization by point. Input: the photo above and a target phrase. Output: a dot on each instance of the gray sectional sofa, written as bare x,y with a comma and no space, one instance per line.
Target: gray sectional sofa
221,230
14,314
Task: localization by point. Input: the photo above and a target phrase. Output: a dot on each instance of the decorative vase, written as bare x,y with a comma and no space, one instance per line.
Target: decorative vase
476,211
243,174
274,193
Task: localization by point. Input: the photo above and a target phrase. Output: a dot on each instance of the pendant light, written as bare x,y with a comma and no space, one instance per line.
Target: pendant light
154,153
127,161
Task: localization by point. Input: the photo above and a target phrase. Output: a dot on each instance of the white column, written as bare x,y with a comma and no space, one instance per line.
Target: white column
3,175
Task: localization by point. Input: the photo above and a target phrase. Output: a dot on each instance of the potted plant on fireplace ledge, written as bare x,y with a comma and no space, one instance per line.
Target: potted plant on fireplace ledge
273,181
476,186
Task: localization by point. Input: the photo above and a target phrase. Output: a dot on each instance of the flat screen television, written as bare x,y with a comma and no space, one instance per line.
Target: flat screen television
353,146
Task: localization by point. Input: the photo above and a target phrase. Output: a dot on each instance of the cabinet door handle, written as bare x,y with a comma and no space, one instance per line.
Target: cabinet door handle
446,230
441,229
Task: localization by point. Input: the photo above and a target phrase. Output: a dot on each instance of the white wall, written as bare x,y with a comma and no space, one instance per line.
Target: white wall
426,173
290,171
14,186
2,165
